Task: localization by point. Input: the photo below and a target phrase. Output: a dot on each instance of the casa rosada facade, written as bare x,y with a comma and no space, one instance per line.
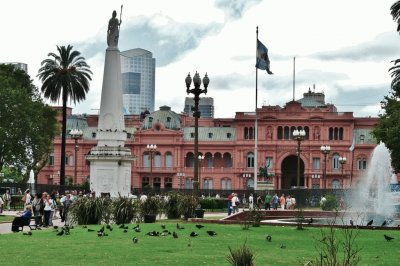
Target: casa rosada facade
228,148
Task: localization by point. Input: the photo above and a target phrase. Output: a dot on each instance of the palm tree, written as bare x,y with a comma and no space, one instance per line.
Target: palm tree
395,70
64,75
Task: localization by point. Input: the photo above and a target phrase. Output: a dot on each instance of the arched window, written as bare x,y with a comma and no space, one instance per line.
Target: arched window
341,133
280,132
335,161
246,133
189,183
251,133
335,133
156,183
330,133
207,183
209,162
227,160
307,130
336,184
168,183
226,184
286,133
145,182
146,160
168,159
157,160
250,160
189,159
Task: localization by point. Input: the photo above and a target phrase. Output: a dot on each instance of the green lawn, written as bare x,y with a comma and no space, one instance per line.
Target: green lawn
86,248
6,218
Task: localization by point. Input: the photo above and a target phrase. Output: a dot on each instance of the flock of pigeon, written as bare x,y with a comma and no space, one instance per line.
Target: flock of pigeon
65,230
103,231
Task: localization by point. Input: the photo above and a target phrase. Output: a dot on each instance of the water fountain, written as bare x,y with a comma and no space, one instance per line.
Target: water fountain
372,198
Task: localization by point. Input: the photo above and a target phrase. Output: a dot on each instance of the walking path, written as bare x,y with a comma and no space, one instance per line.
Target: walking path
5,227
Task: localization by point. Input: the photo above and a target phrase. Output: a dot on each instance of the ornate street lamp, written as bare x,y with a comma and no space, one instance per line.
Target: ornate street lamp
151,149
342,161
325,149
298,135
196,91
76,134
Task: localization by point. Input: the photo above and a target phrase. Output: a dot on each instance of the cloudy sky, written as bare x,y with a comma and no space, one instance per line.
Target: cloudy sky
343,47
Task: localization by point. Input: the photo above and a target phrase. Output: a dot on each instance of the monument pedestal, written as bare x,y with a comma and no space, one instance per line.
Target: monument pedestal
110,161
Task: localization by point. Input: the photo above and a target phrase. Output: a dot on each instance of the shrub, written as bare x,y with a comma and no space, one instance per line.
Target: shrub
330,204
213,203
90,210
243,256
187,204
151,206
171,207
124,210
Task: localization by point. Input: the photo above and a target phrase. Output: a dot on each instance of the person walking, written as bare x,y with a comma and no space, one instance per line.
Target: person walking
282,201
251,201
268,199
235,204
230,196
275,201
7,200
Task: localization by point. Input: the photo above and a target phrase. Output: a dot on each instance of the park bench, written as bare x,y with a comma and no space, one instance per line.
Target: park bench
19,223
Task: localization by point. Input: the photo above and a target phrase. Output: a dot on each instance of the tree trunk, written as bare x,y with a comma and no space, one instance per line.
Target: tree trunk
63,137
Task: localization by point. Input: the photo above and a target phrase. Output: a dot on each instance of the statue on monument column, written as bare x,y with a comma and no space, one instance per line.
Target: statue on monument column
113,29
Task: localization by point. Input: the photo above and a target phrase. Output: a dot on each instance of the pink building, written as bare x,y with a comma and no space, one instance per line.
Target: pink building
228,147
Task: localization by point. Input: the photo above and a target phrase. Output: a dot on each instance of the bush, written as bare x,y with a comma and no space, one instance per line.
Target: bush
213,203
124,210
171,207
187,204
242,256
330,204
151,206
90,210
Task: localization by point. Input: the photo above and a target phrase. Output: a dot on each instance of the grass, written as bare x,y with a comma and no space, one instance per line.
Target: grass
6,218
86,248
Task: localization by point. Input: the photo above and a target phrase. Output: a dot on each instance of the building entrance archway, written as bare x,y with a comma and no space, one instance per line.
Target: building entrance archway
289,172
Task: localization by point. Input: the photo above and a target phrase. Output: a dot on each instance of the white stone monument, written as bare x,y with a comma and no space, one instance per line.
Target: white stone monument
110,161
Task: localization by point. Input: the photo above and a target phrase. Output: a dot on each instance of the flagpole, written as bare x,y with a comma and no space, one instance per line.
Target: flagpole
256,126
294,76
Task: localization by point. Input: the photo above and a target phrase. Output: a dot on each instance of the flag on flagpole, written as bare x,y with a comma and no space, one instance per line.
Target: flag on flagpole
262,61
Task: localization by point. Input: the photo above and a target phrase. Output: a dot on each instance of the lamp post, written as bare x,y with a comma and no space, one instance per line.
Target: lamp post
200,158
196,91
325,149
76,134
180,176
298,135
151,149
342,161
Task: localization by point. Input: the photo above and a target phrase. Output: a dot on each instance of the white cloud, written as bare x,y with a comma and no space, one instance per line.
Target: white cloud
342,46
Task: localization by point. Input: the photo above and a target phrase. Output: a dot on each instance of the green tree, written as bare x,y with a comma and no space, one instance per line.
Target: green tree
27,125
64,75
388,128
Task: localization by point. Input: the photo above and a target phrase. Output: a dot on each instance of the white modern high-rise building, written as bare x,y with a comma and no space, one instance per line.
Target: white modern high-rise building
138,69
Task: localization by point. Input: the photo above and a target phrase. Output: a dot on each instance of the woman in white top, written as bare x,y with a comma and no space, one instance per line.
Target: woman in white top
48,206
235,202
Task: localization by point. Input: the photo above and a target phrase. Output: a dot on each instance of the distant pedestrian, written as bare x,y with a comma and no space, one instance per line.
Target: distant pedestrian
7,200
235,203
275,201
229,199
268,199
251,201
282,201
